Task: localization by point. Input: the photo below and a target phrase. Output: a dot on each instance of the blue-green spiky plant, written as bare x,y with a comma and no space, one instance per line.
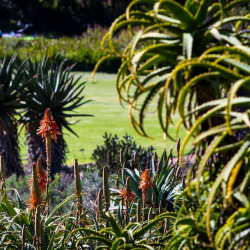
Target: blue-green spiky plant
10,102
50,86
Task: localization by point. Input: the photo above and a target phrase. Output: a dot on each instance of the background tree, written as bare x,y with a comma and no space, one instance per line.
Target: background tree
50,86
10,102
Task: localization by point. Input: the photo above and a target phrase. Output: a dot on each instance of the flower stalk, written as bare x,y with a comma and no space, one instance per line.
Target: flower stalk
100,208
78,190
127,196
35,197
37,237
23,236
144,185
48,130
42,176
2,172
138,211
106,191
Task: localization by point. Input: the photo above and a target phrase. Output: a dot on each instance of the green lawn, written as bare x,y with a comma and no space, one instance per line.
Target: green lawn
110,117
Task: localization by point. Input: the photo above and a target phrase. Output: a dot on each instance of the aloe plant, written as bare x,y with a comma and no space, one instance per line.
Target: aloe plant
223,182
23,229
166,182
50,86
10,103
134,236
169,33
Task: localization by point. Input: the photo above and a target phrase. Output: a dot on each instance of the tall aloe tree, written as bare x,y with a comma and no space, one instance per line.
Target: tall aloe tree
218,184
50,86
10,102
169,33
196,57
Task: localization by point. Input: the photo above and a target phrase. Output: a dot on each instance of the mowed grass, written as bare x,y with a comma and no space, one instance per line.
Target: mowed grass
110,117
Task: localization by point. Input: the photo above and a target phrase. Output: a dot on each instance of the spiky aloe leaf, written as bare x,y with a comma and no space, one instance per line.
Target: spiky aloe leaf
116,229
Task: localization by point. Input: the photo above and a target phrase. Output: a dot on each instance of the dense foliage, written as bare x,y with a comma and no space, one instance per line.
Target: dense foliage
116,221
123,150
84,50
196,58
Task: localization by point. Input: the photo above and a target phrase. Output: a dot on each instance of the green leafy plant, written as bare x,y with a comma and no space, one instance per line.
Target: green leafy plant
134,236
50,86
21,228
84,50
10,102
166,181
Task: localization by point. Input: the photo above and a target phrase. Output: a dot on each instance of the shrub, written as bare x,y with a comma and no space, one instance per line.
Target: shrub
124,151
84,50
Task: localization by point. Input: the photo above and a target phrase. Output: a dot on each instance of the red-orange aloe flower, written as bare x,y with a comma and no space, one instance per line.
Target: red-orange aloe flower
48,129
127,196
42,176
48,126
35,197
146,182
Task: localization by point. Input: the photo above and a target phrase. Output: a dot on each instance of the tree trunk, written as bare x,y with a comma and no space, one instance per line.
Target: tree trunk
36,148
9,149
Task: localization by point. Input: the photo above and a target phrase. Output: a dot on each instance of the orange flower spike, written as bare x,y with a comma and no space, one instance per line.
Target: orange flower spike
48,129
127,195
48,126
42,176
146,180
35,197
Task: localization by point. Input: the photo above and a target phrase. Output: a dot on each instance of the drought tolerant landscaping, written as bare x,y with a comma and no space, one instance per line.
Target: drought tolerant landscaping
184,67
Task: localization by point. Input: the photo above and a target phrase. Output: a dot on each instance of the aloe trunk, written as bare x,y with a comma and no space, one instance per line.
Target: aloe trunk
9,149
37,149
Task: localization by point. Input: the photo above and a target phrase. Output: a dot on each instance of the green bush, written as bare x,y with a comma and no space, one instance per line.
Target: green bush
84,50
121,150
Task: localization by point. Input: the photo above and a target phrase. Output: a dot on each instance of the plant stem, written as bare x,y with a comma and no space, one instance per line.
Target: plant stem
48,154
